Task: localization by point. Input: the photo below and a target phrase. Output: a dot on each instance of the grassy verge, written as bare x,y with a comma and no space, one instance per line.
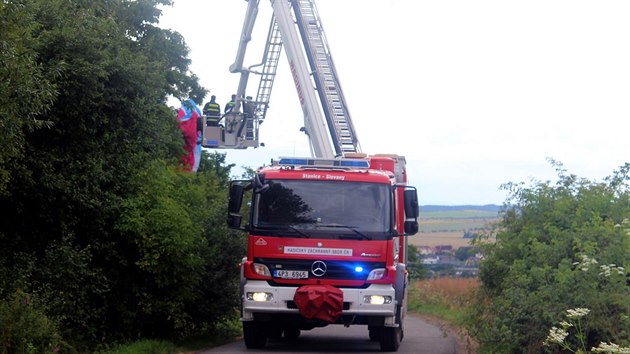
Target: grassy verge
446,298
223,332
153,346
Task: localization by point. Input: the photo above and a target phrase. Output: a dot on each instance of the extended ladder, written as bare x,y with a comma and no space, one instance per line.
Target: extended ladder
325,77
296,26
271,57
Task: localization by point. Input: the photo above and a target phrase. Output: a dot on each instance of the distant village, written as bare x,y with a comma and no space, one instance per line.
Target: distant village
443,261
446,259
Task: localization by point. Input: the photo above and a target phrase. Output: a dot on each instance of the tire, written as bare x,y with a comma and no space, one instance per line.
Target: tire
291,334
254,335
274,333
375,333
392,336
390,339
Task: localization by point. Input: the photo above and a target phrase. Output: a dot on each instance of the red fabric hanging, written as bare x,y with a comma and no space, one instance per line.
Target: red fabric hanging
324,302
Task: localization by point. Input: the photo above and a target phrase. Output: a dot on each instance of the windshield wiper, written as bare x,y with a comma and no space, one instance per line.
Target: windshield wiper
353,228
284,228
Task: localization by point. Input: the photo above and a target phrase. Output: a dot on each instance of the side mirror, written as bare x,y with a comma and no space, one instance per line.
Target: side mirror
411,227
234,221
234,205
236,198
412,208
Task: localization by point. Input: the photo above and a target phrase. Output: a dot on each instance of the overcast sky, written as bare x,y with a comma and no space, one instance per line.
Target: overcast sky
474,93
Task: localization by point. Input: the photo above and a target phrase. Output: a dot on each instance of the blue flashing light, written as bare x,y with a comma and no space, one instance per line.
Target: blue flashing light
355,163
305,161
290,161
358,269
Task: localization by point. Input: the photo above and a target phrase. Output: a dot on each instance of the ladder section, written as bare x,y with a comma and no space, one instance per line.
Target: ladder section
325,77
271,57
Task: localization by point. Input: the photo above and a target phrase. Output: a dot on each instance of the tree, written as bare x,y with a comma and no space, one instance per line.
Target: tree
552,249
215,162
96,220
463,253
26,89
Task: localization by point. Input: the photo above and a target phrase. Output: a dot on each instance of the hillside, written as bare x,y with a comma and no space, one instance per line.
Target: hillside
433,208
442,225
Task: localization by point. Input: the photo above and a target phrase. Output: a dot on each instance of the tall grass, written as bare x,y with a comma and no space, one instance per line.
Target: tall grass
446,298
145,347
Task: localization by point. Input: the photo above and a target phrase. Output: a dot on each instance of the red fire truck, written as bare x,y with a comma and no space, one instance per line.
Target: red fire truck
326,245
327,235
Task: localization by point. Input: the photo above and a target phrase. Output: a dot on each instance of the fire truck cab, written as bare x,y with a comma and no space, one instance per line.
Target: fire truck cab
326,245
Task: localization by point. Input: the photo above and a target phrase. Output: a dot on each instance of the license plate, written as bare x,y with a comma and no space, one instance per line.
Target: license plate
290,274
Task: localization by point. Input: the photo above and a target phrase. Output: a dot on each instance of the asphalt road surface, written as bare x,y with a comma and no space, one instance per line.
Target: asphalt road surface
420,337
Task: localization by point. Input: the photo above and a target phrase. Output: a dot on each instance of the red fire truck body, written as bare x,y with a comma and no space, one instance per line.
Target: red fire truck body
326,245
326,234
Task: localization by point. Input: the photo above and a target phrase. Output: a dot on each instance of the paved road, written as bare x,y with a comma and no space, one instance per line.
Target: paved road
420,337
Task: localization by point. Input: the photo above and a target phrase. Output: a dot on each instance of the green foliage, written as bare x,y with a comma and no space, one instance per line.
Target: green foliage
26,89
414,267
97,221
551,253
412,253
463,253
215,162
145,347
25,328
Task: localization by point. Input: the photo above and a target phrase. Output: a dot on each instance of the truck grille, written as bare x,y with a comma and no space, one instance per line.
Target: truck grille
335,269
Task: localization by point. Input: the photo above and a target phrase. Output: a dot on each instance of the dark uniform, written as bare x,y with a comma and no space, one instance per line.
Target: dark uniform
230,105
212,110
248,115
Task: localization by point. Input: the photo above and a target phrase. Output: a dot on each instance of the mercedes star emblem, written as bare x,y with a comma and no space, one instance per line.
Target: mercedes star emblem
318,268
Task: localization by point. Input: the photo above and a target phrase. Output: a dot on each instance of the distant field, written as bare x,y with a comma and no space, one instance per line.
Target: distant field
458,214
432,239
447,227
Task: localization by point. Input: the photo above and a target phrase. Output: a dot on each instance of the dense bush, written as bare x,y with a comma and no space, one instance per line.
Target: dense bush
554,251
25,328
98,222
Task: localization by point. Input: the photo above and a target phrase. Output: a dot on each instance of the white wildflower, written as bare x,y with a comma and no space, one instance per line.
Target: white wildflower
585,262
610,348
556,335
566,324
606,270
621,271
577,312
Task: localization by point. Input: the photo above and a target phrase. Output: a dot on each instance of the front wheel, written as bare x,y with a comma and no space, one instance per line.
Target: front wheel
390,337
375,333
254,335
291,334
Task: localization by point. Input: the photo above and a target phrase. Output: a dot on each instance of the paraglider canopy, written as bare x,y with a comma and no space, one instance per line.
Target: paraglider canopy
189,116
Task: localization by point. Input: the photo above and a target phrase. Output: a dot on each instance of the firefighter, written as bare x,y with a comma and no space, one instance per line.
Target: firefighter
212,110
248,115
230,105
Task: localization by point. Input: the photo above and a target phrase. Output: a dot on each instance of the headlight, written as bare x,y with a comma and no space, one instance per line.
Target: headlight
377,299
261,269
376,274
259,296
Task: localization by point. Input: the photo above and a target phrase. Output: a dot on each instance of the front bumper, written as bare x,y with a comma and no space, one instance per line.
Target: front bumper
282,301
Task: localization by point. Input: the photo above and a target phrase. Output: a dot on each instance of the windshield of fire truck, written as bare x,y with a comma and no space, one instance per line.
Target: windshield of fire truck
321,208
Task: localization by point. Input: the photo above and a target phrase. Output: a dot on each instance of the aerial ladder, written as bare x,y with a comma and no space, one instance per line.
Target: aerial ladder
296,27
